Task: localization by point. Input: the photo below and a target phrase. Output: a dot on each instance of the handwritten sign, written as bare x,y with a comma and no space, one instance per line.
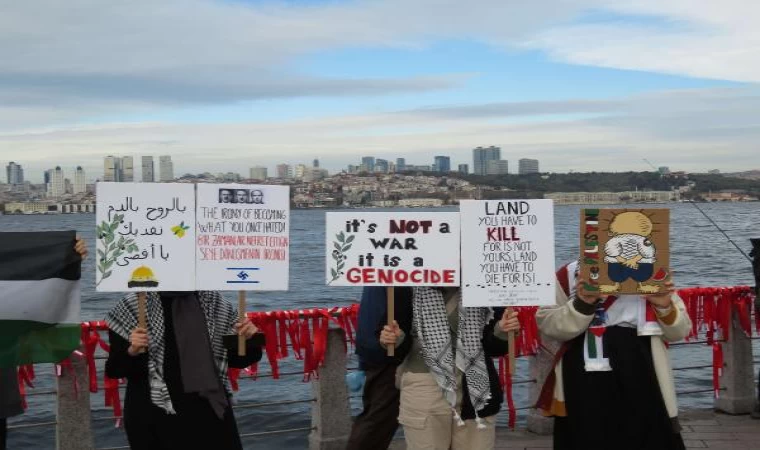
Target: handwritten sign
507,252
145,237
392,249
243,237
625,251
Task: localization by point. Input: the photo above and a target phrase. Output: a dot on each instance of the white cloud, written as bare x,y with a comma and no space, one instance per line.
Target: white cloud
698,38
688,130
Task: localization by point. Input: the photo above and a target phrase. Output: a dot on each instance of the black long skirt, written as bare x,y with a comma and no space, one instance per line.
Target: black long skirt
622,409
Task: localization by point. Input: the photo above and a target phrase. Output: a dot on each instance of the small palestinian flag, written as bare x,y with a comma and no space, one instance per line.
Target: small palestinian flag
39,297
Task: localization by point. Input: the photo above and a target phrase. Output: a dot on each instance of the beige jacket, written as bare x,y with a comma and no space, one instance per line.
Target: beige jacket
563,323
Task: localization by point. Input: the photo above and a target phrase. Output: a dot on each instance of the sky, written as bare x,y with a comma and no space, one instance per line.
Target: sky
223,86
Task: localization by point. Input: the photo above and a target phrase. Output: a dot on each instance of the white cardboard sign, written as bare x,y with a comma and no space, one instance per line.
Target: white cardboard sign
392,249
145,237
507,252
243,237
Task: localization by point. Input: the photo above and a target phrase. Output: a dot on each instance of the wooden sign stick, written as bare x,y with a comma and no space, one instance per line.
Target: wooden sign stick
241,316
142,320
390,294
511,346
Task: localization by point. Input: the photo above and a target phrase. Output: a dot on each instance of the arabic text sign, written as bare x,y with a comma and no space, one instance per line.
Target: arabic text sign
392,249
145,237
243,237
507,253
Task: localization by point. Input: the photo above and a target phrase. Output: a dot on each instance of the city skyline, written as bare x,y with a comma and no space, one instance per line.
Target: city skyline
510,166
529,77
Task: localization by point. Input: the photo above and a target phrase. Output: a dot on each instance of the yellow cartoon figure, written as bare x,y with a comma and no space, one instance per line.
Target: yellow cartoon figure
630,254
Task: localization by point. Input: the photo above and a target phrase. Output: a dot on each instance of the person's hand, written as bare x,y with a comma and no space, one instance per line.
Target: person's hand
81,247
390,335
245,328
664,298
509,322
632,264
138,341
584,295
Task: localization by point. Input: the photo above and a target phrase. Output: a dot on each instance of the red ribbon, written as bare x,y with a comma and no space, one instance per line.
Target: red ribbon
25,375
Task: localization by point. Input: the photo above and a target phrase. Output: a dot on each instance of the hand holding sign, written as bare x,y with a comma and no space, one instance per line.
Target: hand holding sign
391,335
138,341
509,321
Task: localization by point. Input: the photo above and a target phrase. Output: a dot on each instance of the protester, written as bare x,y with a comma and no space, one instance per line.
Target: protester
178,394
612,386
10,397
450,392
375,427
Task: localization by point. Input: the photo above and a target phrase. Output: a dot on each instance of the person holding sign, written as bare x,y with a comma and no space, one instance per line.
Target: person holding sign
612,386
176,369
448,370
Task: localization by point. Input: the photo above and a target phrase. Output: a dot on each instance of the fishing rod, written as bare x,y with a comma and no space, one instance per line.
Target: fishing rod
709,219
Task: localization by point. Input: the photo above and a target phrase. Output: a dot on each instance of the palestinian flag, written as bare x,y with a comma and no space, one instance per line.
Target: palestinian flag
39,297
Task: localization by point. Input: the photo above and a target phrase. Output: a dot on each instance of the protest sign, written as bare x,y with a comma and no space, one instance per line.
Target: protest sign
243,237
145,237
507,252
625,251
392,249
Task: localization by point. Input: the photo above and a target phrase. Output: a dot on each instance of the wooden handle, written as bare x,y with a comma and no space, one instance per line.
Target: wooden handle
142,320
511,347
241,316
390,294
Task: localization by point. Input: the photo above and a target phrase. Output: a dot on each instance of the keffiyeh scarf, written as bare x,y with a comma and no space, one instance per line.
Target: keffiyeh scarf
220,318
431,328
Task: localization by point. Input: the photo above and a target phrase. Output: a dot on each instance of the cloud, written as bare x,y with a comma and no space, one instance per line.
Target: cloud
698,38
85,56
687,130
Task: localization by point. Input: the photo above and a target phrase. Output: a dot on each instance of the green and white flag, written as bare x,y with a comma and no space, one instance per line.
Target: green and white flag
39,297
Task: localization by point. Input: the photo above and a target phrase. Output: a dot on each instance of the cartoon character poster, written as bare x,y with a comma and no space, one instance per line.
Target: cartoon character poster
625,251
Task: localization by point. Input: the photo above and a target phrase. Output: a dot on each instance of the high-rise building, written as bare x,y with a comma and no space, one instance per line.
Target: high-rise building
381,166
664,170
166,168
315,164
442,164
369,163
352,169
481,156
259,173
80,181
284,171
112,169
128,169
527,166
148,170
57,186
15,173
464,169
497,167
48,176
400,164
300,171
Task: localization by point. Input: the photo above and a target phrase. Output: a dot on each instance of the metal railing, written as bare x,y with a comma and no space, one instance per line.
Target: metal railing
330,410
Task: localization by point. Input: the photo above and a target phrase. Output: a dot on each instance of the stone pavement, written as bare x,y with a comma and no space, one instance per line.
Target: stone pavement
701,429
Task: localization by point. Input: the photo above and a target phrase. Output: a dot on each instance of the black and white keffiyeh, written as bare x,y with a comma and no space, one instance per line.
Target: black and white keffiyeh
220,319
431,328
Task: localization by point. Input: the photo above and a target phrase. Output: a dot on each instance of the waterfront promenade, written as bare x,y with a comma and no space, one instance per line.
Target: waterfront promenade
701,429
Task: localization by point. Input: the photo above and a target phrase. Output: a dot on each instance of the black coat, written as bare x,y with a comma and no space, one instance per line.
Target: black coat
492,346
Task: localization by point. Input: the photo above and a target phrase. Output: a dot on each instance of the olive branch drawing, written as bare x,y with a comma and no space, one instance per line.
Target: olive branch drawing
105,233
342,245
